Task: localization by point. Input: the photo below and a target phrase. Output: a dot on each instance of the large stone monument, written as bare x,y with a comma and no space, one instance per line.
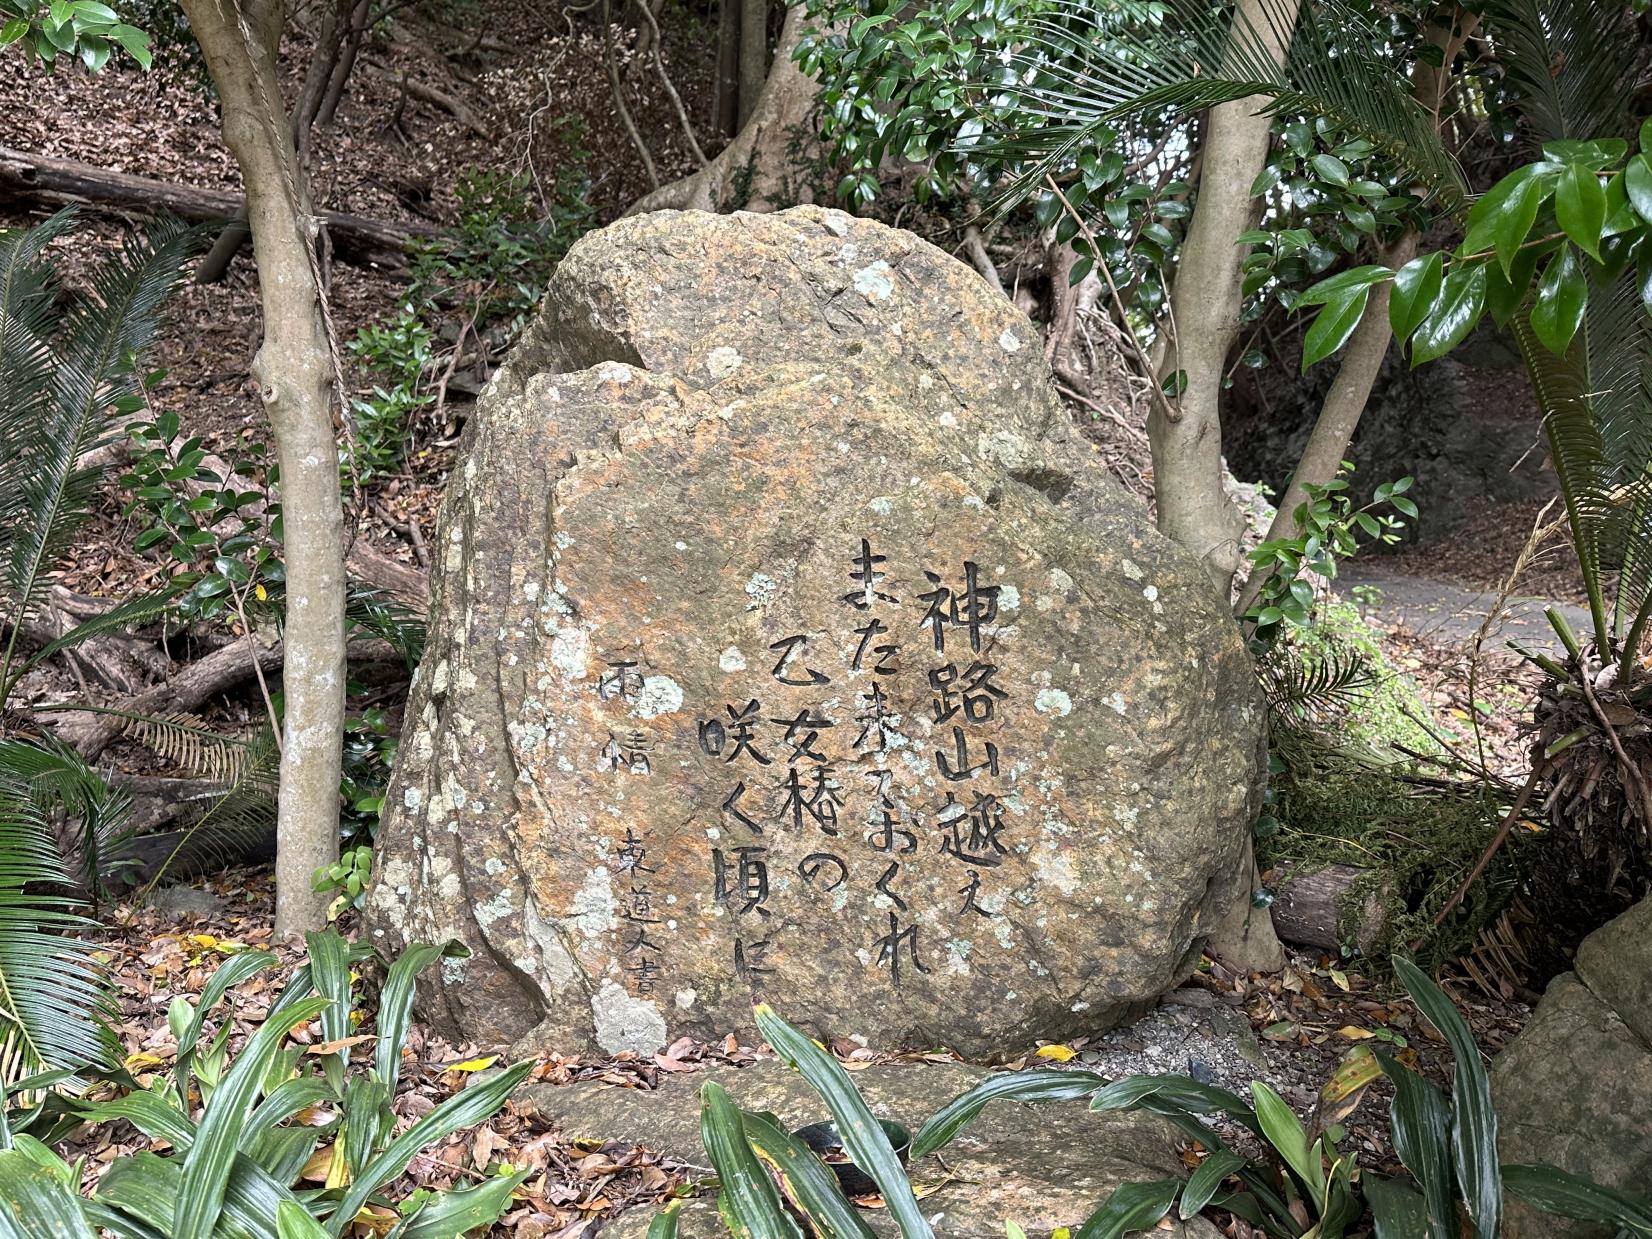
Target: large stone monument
786,644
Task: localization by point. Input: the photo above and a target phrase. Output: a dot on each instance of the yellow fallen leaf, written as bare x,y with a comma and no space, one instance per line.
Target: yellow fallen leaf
472,1064
333,1047
1060,1053
204,940
1354,1034
1340,979
140,1060
260,593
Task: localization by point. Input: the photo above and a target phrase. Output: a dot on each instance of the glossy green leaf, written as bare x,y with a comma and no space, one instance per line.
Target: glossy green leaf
1333,325
750,1199
1206,1181
1397,1211
1421,1125
207,1165
1637,182
233,971
1502,217
1506,294
1344,282
1416,288
806,1179
1562,296
1580,207
1131,1207
1461,302
459,1211
1331,170
35,1205
396,1006
1023,1086
863,1136
1556,1191
1284,1131
1473,1121
1159,1093
330,974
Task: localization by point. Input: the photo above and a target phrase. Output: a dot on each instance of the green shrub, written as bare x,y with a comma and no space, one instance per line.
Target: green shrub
230,1168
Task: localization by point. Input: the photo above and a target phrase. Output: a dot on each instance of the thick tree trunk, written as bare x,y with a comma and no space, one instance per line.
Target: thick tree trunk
294,374
754,54
26,177
725,117
1185,429
750,173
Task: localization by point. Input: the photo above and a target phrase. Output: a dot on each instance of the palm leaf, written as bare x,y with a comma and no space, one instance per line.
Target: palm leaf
1571,63
1084,71
48,431
53,998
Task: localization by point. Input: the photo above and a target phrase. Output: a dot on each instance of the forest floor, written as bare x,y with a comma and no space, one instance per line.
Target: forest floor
531,74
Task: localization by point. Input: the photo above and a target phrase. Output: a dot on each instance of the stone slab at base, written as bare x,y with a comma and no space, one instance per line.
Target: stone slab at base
1039,1166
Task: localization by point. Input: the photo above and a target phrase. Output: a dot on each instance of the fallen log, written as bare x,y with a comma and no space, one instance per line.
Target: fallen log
44,180
1313,907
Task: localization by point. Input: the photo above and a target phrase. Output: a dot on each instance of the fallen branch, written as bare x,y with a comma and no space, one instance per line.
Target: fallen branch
456,108
43,180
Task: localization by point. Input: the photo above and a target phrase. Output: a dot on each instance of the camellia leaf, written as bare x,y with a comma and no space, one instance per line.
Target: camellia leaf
1562,295
1502,217
1334,324
1331,170
1343,282
1416,288
1580,208
1637,182
1461,302
1505,295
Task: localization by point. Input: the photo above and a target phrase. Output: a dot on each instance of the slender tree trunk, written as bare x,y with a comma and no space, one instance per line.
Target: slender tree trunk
1185,430
725,120
294,373
345,63
1449,27
754,54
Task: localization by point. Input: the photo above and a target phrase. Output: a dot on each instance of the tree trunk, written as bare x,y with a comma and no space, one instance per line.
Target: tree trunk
725,117
1185,429
1313,908
754,54
294,372
750,173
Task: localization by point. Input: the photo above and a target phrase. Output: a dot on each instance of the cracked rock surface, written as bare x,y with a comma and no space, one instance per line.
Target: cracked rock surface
1574,1089
786,644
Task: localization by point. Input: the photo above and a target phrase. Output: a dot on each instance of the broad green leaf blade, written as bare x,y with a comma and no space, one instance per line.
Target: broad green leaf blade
748,1192
1333,325
233,971
1396,1210
1289,1138
461,1210
330,974
664,1225
1421,1123
805,1178
146,1186
863,1136
1343,282
1562,296
1206,1181
1416,288
1182,1092
396,1008
944,1125
1461,302
1473,1122
1637,181
1580,208
34,1205
1556,1191
1502,218
476,1103
291,1222
207,1165
1131,1207
117,1223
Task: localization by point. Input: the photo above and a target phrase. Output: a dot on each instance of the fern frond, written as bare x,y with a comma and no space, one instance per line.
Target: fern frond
190,742
1317,688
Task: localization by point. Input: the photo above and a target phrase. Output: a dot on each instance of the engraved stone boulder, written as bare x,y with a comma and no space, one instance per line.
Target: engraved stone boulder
787,645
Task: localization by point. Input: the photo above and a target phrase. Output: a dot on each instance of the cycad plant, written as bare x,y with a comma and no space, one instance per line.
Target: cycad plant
67,362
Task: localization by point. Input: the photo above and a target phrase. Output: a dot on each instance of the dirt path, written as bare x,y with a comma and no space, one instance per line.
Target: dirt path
1451,614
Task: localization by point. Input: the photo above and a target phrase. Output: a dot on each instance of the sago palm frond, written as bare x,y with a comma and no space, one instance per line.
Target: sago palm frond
1084,71
133,613
58,405
54,1000
1569,61
241,817
89,817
